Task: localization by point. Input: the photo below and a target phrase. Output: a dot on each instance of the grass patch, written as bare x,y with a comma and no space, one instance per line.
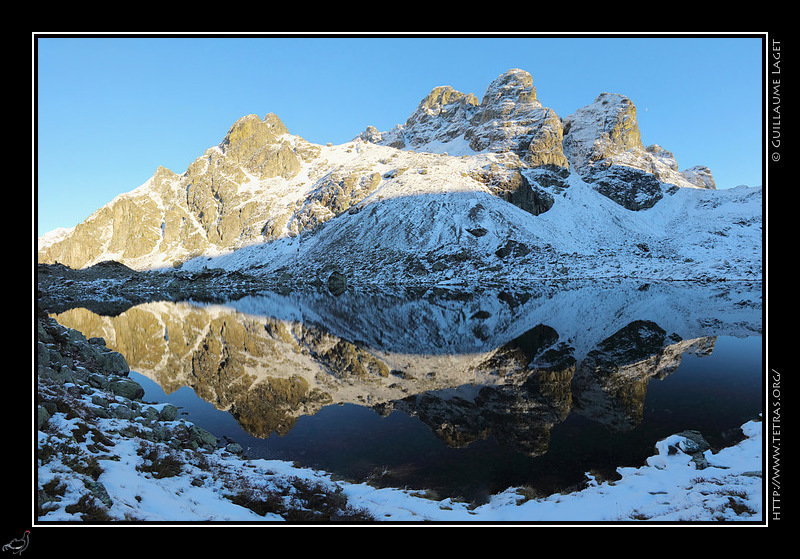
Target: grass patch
300,501
159,462
88,509
262,505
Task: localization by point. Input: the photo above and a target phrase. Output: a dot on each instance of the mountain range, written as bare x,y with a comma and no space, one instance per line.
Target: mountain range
494,189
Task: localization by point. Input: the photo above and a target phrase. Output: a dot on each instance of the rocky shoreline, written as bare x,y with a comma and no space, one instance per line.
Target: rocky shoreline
70,367
87,406
112,285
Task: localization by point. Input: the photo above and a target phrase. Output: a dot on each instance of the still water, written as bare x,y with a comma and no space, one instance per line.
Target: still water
462,393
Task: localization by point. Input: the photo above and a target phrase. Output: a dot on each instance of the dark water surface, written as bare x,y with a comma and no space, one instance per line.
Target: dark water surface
462,393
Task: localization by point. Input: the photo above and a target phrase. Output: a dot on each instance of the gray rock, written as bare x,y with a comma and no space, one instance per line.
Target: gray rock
168,413
150,413
98,381
122,412
99,491
234,448
41,417
695,442
66,373
57,360
42,335
51,407
202,437
100,401
113,362
47,372
42,353
75,337
512,248
695,445
127,388
101,412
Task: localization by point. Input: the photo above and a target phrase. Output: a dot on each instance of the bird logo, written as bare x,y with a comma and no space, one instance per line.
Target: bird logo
18,545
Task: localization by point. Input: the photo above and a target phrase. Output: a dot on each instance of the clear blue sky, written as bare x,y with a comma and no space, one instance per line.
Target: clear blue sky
111,110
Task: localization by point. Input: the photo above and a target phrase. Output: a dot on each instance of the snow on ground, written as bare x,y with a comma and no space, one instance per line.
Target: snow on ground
690,234
668,488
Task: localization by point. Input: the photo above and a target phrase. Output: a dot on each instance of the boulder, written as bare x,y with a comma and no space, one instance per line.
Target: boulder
41,417
202,437
126,388
168,413
121,411
234,448
113,362
512,248
98,381
695,445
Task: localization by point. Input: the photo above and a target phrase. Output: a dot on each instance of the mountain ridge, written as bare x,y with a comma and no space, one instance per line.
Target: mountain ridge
464,189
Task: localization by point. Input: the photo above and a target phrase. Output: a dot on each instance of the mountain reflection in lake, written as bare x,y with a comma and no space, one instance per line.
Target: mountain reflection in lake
462,393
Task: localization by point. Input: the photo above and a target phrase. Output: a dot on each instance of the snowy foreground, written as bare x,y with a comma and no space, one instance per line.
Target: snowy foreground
667,489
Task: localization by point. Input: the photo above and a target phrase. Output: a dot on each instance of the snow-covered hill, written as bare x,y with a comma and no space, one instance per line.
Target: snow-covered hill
468,236
497,190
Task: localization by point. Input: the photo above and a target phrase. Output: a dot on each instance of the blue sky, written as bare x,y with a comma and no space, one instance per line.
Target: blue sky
109,111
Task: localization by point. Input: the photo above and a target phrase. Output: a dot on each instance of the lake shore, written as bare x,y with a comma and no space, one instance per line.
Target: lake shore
104,455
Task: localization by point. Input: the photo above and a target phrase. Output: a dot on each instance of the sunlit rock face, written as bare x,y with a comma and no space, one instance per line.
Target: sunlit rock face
223,200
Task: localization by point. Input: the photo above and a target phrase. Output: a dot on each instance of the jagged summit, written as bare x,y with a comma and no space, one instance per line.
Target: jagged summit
601,141
604,145
506,119
464,188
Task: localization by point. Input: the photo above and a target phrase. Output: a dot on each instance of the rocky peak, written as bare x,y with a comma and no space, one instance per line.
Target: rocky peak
700,176
186,214
440,116
600,142
252,129
603,145
261,183
163,176
509,118
442,98
510,96
259,148
601,130
546,147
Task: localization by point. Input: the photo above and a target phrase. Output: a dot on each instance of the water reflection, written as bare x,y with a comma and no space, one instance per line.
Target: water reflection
501,366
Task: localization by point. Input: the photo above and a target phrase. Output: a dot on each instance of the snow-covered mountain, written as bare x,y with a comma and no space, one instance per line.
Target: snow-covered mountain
499,189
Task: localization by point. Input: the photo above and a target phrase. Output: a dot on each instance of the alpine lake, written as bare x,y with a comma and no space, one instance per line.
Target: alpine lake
462,393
